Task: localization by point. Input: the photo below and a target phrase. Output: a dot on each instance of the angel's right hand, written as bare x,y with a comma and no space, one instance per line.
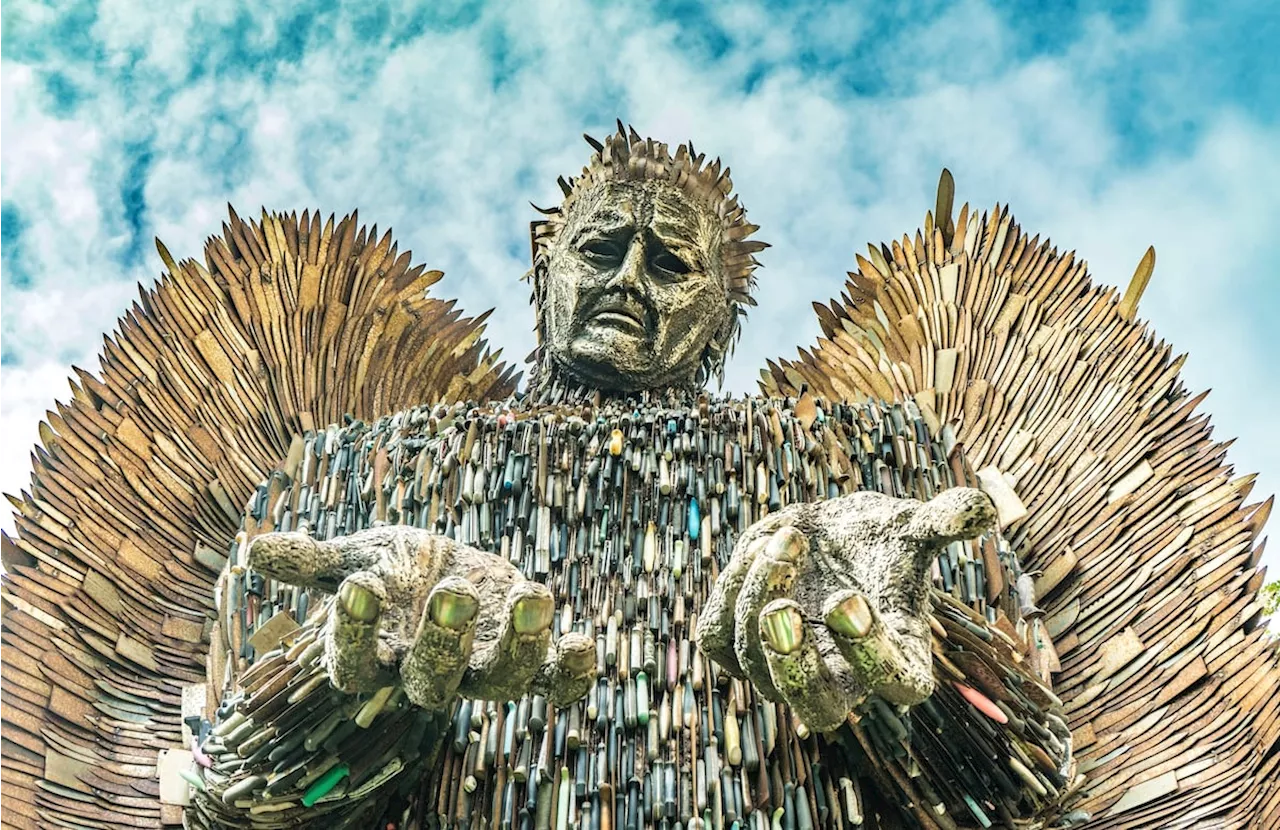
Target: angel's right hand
407,607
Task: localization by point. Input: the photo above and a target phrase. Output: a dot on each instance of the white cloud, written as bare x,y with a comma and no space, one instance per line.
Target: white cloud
448,141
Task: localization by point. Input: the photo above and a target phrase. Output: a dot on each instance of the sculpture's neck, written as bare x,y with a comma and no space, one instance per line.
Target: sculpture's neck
555,384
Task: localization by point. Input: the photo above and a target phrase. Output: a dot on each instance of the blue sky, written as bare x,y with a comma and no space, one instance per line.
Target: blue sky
1109,126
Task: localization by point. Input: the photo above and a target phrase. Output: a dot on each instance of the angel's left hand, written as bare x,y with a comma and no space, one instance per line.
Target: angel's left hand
824,604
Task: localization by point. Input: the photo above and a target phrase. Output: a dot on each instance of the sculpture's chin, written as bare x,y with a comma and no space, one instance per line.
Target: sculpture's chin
618,371
617,360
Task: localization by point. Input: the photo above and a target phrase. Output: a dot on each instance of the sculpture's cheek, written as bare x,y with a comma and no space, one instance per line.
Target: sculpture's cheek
691,315
561,302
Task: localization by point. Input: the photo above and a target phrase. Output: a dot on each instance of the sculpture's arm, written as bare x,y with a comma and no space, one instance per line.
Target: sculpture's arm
827,607
416,620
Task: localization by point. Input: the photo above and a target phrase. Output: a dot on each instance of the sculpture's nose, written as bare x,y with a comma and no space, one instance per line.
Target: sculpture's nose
630,273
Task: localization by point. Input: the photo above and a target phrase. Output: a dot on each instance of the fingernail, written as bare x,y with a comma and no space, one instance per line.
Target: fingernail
788,545
359,602
450,610
577,660
783,629
852,617
532,614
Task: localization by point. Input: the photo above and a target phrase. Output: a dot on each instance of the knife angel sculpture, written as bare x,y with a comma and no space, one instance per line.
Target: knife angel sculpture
300,554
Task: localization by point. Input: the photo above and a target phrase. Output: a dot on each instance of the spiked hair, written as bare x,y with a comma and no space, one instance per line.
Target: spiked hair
626,157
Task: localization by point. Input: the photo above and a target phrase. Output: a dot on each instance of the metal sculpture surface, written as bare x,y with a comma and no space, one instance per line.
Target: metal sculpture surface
611,550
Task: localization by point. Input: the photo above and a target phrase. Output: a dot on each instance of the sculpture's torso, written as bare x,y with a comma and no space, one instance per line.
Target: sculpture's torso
627,512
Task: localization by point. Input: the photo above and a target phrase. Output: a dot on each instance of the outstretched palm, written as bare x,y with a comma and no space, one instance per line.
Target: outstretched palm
859,564
436,616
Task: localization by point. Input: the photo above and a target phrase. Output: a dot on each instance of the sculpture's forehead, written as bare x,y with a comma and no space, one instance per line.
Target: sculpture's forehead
658,205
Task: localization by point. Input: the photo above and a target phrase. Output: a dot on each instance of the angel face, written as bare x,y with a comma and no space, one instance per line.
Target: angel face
635,292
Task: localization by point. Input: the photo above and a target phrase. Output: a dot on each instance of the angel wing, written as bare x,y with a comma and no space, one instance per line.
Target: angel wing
1108,484
136,494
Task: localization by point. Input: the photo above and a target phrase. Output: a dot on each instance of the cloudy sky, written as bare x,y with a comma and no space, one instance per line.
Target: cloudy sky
1109,126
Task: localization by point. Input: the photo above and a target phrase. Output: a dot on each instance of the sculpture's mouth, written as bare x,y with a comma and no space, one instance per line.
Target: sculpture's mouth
622,315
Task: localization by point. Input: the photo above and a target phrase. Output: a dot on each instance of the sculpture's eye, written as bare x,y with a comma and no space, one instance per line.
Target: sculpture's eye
602,250
669,263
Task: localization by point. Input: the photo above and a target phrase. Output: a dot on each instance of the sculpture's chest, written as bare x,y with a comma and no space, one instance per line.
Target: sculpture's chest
506,480
632,502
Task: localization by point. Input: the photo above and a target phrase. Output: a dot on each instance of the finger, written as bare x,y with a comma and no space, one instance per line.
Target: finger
503,671
958,513
716,620
772,576
569,670
297,559
896,667
441,650
798,670
352,649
